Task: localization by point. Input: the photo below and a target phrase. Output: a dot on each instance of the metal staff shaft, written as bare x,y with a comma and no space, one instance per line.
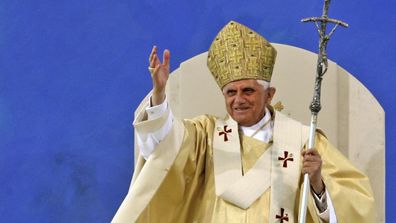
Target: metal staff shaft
321,69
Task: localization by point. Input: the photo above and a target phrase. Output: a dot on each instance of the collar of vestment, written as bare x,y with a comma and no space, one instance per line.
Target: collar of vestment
262,130
277,168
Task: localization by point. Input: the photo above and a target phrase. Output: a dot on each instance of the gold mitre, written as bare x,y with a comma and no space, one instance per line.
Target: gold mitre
239,53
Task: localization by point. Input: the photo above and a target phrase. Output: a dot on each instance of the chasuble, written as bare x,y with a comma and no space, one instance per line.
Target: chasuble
181,182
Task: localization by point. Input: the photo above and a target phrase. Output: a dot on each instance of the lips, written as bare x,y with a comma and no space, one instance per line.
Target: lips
239,109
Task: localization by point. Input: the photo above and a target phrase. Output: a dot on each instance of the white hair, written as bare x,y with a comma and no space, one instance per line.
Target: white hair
264,83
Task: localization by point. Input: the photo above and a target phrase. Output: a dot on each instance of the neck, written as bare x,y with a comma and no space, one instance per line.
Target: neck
266,116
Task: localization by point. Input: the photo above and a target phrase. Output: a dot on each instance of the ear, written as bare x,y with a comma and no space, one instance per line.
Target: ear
270,94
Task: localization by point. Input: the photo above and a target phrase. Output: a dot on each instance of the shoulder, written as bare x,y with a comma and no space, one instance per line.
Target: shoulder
201,122
282,119
290,123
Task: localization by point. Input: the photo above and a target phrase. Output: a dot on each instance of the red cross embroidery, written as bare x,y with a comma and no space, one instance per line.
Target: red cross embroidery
225,132
283,216
286,158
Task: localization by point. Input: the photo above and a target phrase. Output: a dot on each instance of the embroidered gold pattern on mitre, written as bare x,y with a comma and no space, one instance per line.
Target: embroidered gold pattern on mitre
239,53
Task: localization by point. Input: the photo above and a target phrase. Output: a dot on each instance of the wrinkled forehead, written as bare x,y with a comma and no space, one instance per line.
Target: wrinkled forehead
241,84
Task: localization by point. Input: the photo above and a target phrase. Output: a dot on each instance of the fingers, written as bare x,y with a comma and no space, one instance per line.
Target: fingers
153,54
166,58
153,59
312,165
309,152
312,161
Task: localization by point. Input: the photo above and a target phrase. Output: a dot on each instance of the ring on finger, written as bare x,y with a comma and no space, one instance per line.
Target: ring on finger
151,70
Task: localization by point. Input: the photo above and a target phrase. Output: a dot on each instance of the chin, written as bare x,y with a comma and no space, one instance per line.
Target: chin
241,121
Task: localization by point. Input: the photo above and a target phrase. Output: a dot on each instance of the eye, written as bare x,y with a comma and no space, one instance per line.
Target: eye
248,90
230,92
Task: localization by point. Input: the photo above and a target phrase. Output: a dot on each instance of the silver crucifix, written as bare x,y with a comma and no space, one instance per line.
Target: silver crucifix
321,25
324,37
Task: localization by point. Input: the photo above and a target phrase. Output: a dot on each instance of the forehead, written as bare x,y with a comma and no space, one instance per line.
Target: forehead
241,84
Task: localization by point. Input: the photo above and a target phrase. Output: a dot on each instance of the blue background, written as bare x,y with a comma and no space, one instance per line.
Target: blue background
72,73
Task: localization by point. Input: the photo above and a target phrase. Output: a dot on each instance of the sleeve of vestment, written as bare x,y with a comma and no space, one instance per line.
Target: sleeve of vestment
348,188
324,207
166,187
147,141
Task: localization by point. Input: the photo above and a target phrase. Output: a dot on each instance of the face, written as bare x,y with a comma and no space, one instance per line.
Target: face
246,101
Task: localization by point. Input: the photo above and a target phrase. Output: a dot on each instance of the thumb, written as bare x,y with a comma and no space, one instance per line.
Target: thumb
166,58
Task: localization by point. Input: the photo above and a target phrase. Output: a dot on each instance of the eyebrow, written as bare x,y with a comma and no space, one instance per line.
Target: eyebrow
229,90
248,88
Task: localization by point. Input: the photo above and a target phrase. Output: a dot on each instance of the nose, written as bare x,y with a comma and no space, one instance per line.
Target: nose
239,99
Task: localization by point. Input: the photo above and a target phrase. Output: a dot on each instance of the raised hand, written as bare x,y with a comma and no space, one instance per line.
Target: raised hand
159,75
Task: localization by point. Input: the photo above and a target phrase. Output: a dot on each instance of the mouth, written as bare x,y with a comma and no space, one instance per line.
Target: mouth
241,109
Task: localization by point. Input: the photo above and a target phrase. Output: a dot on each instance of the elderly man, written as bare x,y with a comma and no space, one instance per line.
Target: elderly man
246,167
